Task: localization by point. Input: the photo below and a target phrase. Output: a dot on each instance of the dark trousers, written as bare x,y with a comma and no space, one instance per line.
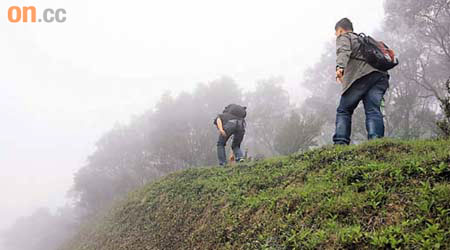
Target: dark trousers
370,89
235,128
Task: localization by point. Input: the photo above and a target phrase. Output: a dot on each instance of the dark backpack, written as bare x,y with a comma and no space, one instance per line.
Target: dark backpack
236,110
376,53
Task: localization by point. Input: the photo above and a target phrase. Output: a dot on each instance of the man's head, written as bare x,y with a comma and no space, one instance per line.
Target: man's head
343,26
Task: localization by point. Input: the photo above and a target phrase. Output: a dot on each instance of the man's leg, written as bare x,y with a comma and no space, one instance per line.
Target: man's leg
221,154
236,145
349,102
372,107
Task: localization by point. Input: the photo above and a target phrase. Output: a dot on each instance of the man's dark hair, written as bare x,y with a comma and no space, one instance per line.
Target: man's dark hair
344,23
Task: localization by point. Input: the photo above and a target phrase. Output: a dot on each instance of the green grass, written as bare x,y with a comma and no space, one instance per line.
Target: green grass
384,194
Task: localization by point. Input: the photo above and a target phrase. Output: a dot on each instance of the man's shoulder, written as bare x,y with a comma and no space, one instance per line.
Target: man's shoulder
343,39
347,36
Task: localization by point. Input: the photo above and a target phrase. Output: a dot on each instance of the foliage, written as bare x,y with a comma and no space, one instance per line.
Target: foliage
268,106
385,194
297,133
444,124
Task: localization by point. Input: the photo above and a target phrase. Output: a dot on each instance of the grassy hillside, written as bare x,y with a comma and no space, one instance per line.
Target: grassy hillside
380,195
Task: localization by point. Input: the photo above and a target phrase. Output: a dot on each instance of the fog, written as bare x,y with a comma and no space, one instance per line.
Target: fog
64,85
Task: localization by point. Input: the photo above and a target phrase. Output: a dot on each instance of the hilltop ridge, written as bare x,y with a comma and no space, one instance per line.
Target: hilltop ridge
383,194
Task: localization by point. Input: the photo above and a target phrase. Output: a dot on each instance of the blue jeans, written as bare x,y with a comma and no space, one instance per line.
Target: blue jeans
370,89
235,128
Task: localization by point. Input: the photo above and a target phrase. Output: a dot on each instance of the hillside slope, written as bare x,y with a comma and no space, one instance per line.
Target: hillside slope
382,194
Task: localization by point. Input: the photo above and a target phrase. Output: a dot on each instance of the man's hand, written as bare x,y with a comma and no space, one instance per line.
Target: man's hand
339,75
220,127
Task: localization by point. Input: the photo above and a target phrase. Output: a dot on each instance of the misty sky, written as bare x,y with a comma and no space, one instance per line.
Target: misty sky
63,85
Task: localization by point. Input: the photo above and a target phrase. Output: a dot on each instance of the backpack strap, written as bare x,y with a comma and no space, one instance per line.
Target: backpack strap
360,35
242,124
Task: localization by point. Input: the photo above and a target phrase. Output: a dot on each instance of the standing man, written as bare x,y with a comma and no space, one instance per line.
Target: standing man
360,81
231,123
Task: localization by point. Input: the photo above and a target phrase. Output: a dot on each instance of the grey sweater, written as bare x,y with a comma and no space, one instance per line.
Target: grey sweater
347,51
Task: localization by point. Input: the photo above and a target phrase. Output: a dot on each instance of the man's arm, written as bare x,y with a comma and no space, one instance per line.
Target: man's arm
343,52
220,127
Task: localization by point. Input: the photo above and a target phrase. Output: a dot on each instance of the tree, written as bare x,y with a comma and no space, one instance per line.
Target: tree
408,106
444,123
268,105
419,31
427,24
298,133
